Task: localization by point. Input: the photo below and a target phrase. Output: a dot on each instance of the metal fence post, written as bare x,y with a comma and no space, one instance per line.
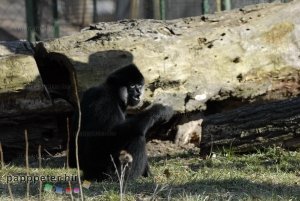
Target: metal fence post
33,28
205,6
55,19
226,4
95,15
162,6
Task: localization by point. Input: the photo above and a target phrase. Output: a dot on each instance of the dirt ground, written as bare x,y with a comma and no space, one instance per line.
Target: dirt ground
155,148
164,148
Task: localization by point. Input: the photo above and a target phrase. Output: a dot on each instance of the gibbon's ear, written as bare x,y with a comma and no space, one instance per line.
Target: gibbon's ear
123,94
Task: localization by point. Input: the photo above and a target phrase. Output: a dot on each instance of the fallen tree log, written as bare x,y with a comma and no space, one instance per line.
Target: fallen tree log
253,127
250,54
209,63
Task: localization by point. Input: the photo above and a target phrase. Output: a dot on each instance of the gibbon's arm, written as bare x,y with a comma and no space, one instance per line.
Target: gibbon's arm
138,125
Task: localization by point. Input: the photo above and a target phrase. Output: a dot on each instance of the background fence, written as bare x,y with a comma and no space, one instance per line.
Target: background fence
43,19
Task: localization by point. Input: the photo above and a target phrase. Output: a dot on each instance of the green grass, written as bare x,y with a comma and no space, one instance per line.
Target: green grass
273,174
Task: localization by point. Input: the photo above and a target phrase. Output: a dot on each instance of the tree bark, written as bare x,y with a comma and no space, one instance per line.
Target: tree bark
253,127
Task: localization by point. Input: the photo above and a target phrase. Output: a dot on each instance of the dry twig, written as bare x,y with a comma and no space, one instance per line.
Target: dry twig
2,167
77,134
27,162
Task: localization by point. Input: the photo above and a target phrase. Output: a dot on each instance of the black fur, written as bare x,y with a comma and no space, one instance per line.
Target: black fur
105,130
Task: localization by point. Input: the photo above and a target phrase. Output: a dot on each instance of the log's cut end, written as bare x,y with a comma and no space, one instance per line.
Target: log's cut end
30,83
19,72
35,92
21,87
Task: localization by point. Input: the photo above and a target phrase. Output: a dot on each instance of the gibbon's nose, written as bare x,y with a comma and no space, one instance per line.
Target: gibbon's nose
138,92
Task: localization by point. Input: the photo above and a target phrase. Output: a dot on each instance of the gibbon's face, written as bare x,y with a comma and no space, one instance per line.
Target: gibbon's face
135,92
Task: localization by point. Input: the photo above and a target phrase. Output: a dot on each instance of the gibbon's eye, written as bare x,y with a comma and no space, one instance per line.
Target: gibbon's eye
132,86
